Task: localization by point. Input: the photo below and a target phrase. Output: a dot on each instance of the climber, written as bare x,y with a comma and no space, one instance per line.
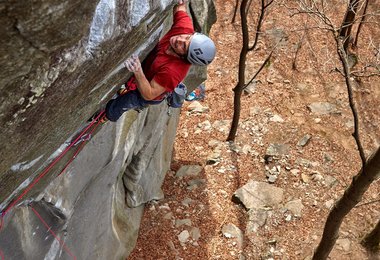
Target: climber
165,66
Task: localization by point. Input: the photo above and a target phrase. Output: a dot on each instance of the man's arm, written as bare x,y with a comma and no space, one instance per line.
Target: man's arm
181,6
148,90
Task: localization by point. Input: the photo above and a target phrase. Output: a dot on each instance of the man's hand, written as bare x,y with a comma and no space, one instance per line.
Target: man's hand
133,64
180,6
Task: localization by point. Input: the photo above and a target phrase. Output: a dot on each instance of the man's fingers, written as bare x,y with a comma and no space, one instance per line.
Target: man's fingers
128,64
136,58
133,63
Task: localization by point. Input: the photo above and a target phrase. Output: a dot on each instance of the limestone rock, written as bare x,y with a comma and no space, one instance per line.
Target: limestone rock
329,204
295,207
322,108
181,222
256,219
257,195
276,119
184,236
343,244
251,88
195,233
188,170
277,149
61,62
196,107
194,184
302,142
186,202
222,125
330,181
232,231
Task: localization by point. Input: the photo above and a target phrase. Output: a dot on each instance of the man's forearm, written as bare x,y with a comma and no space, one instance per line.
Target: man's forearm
148,90
143,85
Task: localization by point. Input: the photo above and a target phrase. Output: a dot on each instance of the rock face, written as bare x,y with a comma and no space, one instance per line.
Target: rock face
61,61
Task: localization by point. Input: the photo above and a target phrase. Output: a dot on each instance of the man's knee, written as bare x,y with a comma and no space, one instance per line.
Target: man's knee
110,113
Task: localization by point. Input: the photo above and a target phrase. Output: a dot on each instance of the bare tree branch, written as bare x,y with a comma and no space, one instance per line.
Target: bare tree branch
343,57
352,195
260,22
241,76
235,11
367,203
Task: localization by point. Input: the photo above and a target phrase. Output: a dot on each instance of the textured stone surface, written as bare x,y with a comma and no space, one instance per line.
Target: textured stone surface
62,61
258,195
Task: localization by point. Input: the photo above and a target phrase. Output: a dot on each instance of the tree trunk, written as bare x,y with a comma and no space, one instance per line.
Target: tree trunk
348,22
372,240
238,90
343,206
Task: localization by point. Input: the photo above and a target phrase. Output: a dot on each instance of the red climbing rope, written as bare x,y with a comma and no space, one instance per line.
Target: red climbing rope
96,120
81,146
81,138
54,235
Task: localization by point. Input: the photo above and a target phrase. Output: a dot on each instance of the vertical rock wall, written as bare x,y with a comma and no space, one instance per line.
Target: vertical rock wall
62,60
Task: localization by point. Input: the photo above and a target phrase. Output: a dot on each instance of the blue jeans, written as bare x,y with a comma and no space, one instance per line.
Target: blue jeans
131,100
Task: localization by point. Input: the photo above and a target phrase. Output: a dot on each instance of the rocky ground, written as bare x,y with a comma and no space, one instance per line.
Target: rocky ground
267,195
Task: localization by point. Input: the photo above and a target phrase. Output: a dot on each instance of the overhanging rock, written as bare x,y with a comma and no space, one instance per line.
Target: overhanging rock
62,60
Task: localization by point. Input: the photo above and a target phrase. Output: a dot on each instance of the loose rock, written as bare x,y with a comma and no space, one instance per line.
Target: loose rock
344,244
276,119
181,222
193,184
295,207
304,140
256,219
189,170
329,204
256,195
195,233
322,108
184,236
196,107
186,202
277,149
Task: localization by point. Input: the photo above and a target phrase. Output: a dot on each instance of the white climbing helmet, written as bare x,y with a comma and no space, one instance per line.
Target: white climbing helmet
201,50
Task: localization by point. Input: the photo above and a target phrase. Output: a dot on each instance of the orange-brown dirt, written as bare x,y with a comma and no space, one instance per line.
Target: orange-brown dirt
284,91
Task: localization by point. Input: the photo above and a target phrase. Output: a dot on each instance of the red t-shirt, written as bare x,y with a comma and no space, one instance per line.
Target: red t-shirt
167,70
